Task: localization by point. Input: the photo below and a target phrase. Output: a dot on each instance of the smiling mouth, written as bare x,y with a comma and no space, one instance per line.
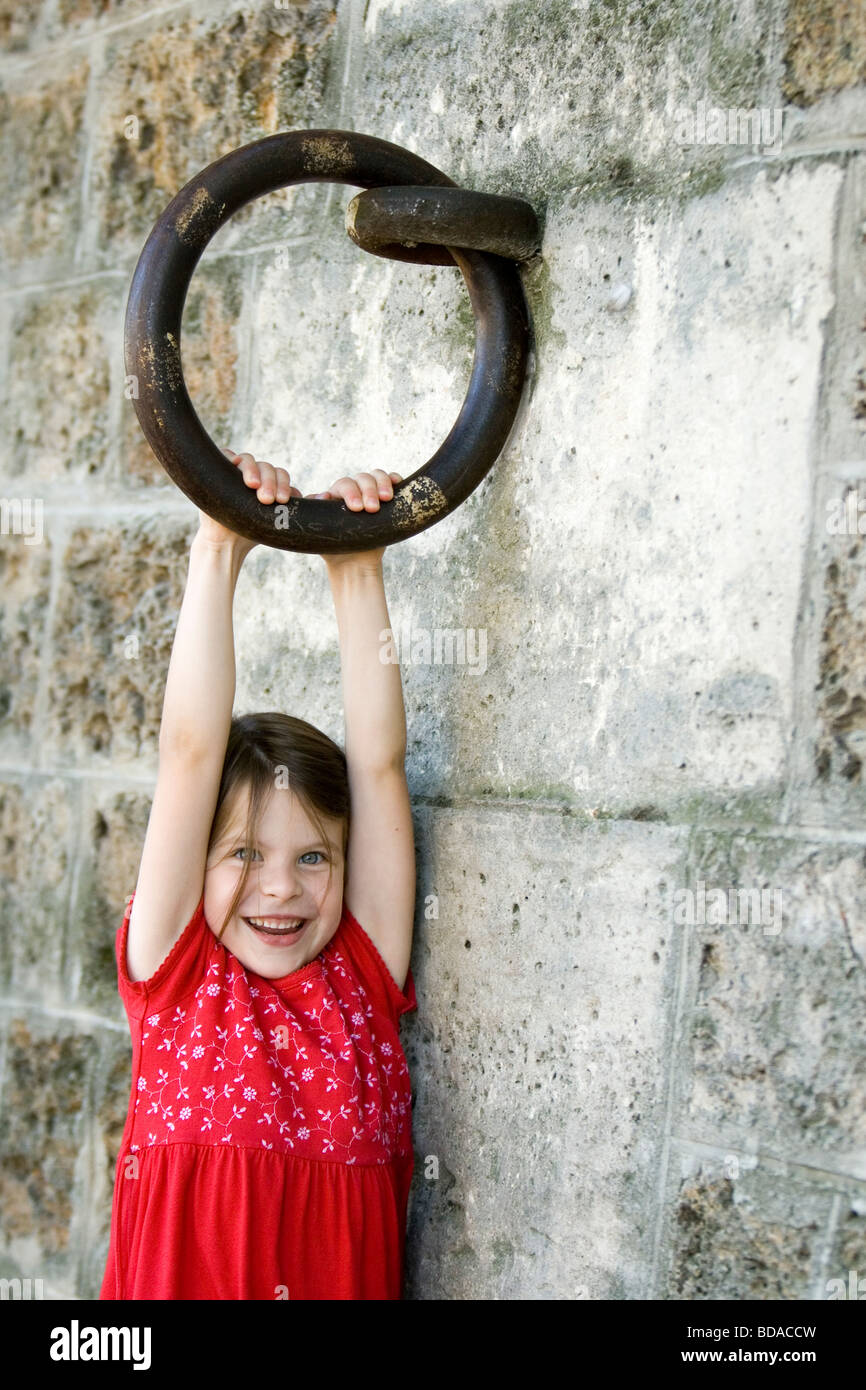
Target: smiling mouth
276,927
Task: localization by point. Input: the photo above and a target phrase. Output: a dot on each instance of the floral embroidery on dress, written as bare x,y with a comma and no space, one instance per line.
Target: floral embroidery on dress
315,1071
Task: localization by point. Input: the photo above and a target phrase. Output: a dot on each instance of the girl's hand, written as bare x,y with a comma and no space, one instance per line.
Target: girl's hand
271,484
364,491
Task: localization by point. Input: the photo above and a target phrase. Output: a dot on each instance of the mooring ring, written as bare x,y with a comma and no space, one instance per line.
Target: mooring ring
152,345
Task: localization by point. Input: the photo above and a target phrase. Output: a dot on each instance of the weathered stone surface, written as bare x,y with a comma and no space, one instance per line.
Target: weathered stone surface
670,509
117,609
589,97
845,1272
181,90
546,982
43,138
775,1044
111,1091
640,598
79,15
37,840
842,441
17,24
758,1236
43,1127
367,348
827,784
25,574
58,390
841,689
825,48
113,829
609,1103
287,657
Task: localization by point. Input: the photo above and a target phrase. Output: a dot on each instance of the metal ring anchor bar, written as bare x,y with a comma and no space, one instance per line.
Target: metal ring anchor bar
387,221
482,234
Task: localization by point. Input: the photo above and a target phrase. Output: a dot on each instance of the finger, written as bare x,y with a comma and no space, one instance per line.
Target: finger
283,484
348,489
369,487
383,479
267,488
271,488
272,484
249,468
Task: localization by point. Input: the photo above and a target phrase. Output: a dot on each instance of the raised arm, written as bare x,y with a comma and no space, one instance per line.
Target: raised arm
196,717
200,687
379,884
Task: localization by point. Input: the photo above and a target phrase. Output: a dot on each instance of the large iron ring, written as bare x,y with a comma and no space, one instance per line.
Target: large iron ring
161,281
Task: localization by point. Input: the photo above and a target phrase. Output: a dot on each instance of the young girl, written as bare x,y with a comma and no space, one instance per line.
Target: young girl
263,961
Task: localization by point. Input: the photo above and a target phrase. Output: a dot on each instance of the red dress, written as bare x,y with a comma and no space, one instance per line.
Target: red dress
267,1153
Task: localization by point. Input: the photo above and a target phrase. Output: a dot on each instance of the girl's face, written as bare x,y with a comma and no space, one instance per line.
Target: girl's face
288,880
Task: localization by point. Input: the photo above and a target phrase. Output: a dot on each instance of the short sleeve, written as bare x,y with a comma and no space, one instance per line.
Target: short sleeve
179,974
374,973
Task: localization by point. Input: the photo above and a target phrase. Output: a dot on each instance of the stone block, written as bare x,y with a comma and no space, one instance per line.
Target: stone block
825,48
639,607
588,96
44,1124
113,828
68,19
38,819
44,135
17,26
25,578
774,1047
545,989
117,609
844,1274
179,90
369,352
827,785
758,1236
840,747
58,388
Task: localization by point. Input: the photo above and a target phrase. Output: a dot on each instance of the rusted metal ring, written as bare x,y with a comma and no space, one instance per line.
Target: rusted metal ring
155,307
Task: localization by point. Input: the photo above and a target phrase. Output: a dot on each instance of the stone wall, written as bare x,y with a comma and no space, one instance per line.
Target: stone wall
616,1097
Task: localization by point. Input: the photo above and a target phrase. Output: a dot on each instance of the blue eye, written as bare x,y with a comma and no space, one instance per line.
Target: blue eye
242,850
313,851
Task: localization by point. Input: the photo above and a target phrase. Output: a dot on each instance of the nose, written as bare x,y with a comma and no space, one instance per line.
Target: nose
279,879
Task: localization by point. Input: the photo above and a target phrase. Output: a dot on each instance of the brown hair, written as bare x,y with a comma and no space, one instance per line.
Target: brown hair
259,748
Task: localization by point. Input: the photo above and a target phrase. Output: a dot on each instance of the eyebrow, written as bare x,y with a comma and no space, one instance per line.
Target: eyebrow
238,838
